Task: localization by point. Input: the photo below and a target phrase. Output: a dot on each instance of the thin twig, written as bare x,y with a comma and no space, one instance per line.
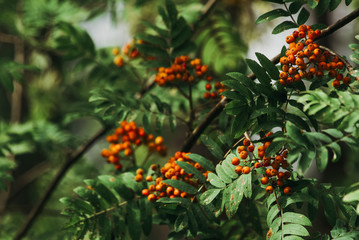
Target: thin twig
291,16
216,110
281,210
75,156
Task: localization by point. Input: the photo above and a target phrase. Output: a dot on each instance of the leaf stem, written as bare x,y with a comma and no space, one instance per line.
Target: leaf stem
291,16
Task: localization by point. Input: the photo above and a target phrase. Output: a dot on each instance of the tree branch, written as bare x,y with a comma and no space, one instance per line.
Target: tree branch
216,110
74,157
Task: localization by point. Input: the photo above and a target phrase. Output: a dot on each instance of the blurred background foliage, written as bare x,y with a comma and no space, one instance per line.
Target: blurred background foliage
49,63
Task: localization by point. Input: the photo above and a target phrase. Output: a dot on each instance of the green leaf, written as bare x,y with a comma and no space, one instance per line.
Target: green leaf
347,2
298,121
172,10
334,4
276,13
268,110
291,217
303,16
191,169
295,134
192,223
153,51
329,208
116,184
104,192
333,132
312,3
152,39
234,197
246,184
352,196
222,174
146,215
269,66
295,229
181,222
305,161
182,186
259,72
246,81
322,158
336,151
78,204
272,214
239,124
274,147
284,26
133,220
206,164
216,181
212,146
208,196
322,7
295,6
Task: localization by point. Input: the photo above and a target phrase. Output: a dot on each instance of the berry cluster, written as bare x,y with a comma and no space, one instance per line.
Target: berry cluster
126,138
305,59
277,167
187,70
128,50
158,189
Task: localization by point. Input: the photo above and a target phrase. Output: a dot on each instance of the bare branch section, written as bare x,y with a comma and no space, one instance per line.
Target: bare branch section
216,110
75,156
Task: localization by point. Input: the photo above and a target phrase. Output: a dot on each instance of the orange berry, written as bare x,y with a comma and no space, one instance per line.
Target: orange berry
346,80
243,154
264,180
118,60
246,142
151,197
280,182
340,65
235,161
336,83
246,170
250,148
289,39
138,178
206,95
208,86
158,140
145,192
257,165
139,171
149,178
287,190
280,175
269,189
238,169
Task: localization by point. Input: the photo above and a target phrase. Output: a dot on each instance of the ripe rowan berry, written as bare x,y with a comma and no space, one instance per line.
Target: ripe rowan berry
235,161
250,148
238,169
246,142
243,155
280,182
138,178
335,83
257,165
149,178
151,197
269,189
246,170
264,180
287,190
145,192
